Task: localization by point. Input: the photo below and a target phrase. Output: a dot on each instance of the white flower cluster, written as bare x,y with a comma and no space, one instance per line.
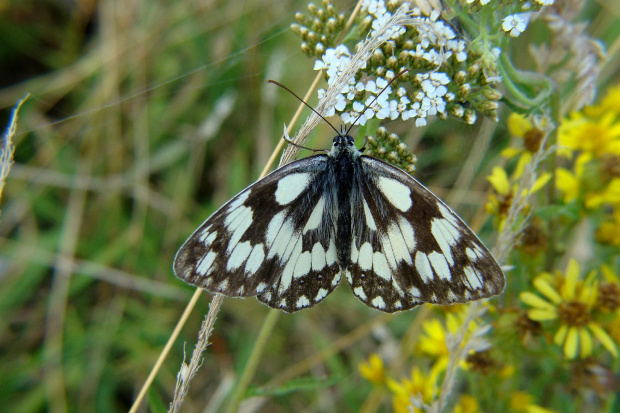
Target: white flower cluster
437,42
515,24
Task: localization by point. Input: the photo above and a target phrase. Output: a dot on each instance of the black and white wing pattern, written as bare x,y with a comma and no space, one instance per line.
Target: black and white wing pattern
409,248
275,240
290,237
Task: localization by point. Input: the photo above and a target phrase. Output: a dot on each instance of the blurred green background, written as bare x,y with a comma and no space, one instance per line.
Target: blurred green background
144,117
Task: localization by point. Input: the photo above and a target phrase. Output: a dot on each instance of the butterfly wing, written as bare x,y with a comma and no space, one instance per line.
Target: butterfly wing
275,240
410,248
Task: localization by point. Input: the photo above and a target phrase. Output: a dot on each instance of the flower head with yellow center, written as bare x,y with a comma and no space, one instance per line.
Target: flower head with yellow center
569,302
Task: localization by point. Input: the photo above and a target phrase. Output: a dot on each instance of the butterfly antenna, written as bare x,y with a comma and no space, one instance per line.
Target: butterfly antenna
402,72
304,102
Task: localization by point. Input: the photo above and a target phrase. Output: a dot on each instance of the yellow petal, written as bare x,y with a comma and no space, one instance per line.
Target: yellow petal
604,338
499,180
585,340
560,335
518,125
570,281
542,315
547,290
541,181
571,343
567,184
525,159
510,152
533,300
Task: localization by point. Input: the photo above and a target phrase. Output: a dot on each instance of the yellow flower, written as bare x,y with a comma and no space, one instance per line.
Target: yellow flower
374,370
610,104
610,195
594,136
570,302
466,404
531,132
420,386
499,203
609,231
523,402
568,182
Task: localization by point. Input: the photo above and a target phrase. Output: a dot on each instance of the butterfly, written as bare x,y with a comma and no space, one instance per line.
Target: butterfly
289,238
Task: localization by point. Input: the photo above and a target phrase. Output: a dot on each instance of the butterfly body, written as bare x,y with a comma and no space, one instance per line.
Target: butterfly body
290,237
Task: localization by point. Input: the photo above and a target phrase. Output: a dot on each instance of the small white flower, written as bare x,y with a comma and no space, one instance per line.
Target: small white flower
341,102
545,2
458,47
515,24
371,87
433,83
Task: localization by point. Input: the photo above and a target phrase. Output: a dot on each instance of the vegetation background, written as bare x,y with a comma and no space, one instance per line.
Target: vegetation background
143,118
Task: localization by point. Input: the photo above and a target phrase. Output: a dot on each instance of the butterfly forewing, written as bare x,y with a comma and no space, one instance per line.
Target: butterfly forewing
275,240
409,247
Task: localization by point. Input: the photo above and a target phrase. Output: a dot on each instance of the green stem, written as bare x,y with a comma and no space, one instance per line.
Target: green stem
512,75
250,367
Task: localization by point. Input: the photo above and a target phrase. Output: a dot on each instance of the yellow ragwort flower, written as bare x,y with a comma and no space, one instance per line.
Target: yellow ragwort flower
374,370
523,402
569,300
499,203
531,133
598,136
609,231
466,404
420,386
609,104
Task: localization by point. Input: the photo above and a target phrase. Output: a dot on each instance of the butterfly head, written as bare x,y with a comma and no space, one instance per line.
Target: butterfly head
343,144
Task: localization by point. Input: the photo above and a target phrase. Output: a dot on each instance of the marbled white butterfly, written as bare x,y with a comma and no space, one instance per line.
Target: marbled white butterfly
290,237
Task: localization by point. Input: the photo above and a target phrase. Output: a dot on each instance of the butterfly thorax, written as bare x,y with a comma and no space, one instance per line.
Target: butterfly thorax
344,163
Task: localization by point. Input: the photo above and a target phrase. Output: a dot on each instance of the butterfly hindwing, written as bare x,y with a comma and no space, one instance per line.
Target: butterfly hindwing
275,240
409,247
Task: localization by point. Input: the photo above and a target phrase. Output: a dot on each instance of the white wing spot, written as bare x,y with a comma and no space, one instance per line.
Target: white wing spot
274,228
370,221
287,274
320,295
238,256
302,267
316,216
473,277
440,265
443,232
303,302
331,255
471,254
408,233
424,267
290,187
336,279
282,303
205,263
397,193
260,288
354,251
267,296
241,224
359,291
414,291
378,302
207,237
399,247
365,257
448,214
380,266
240,200
397,304
318,257
223,286
282,239
241,290
256,259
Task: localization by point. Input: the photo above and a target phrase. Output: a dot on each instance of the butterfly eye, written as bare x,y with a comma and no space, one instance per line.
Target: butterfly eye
350,140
